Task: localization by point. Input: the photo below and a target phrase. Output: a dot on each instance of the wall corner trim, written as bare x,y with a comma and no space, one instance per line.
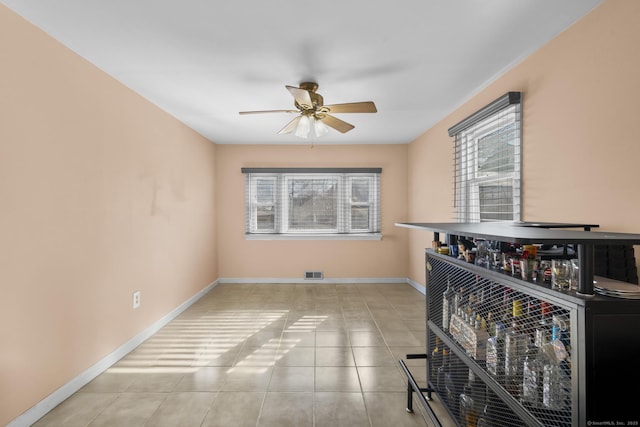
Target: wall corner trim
41,408
418,287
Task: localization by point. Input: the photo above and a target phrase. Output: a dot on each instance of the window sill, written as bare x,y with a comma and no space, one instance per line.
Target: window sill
303,236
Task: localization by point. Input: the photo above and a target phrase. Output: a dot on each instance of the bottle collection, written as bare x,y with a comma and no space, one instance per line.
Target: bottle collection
522,342
552,266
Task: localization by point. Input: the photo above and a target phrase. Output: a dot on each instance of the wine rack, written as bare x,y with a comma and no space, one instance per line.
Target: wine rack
562,357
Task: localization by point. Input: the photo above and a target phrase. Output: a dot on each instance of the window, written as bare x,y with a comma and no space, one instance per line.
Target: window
312,203
487,162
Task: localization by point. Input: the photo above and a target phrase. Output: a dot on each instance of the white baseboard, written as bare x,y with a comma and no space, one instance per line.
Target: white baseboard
41,408
417,286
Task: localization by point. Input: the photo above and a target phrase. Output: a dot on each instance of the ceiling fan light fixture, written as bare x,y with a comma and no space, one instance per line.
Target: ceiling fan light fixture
320,128
304,127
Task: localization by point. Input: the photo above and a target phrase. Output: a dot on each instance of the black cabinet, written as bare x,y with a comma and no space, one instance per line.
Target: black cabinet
564,358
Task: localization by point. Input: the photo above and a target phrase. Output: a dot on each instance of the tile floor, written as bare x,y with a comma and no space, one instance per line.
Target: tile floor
267,355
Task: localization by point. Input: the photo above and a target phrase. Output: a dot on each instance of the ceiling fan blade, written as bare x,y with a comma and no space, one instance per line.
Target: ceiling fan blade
269,111
353,107
291,126
301,96
337,124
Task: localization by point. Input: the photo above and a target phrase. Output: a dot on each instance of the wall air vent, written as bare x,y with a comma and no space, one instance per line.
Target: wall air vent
313,275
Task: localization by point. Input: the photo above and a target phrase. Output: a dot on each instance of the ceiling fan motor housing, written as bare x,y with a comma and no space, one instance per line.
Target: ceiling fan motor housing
316,99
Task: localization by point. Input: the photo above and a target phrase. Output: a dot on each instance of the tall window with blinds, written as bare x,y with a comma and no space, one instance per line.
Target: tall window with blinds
312,202
487,159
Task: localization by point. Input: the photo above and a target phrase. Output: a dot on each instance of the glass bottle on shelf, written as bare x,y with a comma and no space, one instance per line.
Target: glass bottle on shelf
532,376
471,401
542,333
442,370
555,386
515,345
436,357
447,305
495,351
458,301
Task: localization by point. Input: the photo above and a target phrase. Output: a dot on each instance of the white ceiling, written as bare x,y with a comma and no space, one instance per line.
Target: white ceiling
203,61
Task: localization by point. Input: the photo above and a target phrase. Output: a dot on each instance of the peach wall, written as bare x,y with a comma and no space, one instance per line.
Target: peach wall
102,194
242,259
581,141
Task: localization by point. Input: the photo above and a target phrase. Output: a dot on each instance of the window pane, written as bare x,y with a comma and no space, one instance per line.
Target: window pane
265,190
496,202
360,217
359,190
496,151
265,218
313,204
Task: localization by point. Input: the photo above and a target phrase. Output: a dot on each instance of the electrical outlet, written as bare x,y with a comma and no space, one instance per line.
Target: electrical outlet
136,299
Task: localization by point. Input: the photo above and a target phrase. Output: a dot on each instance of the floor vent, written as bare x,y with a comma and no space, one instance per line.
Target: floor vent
313,275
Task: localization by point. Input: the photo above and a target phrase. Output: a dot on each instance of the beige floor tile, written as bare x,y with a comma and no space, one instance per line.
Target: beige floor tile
292,355
400,353
332,339
78,410
402,338
366,324
263,337
221,354
366,339
249,378
388,324
287,410
209,378
334,356
373,356
292,378
237,409
299,337
331,325
257,356
340,410
417,325
182,409
381,378
154,381
111,380
337,379
384,411
421,336
129,409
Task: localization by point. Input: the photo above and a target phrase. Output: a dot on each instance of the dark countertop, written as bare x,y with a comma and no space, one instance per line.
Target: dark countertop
527,232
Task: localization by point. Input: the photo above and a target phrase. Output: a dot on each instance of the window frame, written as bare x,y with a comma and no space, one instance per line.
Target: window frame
468,179
345,179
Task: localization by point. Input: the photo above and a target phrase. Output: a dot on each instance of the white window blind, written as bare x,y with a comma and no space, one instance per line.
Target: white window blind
487,162
312,202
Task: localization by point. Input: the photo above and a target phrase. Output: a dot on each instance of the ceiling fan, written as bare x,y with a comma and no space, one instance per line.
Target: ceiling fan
314,116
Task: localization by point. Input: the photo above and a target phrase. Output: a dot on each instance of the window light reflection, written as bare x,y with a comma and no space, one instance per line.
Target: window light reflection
186,345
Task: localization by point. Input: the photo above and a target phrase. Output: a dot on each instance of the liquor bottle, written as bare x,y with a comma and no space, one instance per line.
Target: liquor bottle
457,301
450,386
543,331
441,371
483,419
447,305
532,376
470,401
435,360
495,352
556,384
515,345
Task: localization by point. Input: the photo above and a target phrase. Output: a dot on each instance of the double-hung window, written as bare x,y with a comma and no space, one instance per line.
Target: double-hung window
312,203
487,160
